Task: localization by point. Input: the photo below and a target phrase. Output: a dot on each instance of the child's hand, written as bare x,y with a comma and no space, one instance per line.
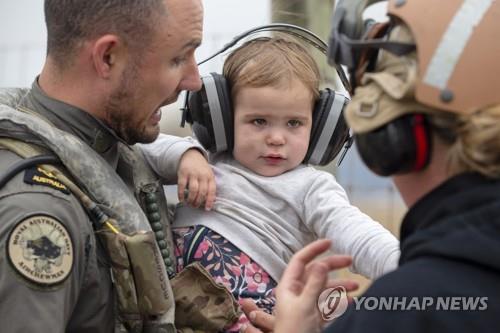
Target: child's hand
196,175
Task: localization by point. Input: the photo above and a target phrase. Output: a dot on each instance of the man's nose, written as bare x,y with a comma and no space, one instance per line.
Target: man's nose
191,80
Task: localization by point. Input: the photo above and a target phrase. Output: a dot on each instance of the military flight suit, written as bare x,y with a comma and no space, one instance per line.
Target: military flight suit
54,272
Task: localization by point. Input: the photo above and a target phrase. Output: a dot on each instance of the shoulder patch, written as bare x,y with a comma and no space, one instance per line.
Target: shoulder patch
40,249
38,176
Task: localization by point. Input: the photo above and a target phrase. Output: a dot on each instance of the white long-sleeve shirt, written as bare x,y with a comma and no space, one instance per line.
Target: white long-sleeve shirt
164,154
271,218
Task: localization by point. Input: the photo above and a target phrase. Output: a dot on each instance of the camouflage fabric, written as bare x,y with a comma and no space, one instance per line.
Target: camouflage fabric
152,291
201,304
124,280
12,96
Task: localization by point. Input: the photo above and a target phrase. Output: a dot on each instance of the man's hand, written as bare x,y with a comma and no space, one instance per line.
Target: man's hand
298,292
196,175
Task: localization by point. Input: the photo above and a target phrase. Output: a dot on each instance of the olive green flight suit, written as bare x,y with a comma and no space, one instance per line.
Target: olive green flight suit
54,273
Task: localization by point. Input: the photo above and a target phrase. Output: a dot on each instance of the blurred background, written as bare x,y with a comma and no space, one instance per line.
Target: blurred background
22,53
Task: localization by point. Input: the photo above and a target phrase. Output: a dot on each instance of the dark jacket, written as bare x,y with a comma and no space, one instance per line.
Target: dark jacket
450,256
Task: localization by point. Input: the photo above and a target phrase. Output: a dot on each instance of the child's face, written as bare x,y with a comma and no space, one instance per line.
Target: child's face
272,127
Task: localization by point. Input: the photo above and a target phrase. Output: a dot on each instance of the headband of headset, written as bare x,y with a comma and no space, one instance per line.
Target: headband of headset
294,30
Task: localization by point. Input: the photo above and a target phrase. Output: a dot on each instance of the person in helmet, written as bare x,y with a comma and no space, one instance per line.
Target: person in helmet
429,117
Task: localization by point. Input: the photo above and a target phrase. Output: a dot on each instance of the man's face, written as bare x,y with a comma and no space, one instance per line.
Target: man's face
272,127
156,75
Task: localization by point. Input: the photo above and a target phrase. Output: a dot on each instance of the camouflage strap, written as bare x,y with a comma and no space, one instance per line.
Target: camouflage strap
150,195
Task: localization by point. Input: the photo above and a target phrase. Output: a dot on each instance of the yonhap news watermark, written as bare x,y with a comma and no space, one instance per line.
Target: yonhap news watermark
333,302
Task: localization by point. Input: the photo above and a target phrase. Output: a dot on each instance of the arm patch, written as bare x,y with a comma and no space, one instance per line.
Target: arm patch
40,250
38,176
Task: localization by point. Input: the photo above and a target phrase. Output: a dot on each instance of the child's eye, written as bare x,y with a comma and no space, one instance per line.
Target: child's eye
259,122
294,123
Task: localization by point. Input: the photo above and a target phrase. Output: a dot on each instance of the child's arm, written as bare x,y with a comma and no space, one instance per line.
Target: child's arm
184,161
374,249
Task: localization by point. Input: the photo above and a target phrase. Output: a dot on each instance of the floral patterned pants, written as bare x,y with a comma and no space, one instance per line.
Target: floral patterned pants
227,265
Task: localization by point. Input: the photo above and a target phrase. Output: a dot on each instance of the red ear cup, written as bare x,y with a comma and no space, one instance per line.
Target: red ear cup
401,146
422,141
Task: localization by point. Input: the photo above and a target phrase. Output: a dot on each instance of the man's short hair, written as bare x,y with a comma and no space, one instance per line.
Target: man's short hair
70,22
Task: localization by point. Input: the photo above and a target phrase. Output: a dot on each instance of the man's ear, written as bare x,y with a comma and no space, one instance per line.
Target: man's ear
106,54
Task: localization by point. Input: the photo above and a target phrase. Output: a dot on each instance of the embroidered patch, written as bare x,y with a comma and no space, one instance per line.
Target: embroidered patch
38,176
41,250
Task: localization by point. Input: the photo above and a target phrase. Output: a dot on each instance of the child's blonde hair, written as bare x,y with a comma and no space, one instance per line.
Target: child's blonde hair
271,61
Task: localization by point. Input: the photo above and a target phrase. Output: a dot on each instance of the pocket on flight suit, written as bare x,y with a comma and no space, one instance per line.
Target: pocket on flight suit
201,304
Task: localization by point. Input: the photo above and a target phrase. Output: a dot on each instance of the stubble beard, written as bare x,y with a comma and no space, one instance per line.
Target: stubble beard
120,110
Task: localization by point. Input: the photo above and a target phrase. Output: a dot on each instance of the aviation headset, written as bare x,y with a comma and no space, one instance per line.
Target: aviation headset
404,144
210,110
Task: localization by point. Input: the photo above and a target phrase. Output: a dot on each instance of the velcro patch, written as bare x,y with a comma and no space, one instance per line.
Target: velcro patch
41,250
38,176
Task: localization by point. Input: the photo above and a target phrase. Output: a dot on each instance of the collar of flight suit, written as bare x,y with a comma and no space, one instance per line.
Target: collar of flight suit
71,119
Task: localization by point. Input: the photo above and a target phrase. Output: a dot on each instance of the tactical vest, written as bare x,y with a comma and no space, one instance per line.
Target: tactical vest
135,228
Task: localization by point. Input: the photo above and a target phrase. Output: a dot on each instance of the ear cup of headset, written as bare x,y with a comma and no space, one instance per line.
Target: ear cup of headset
329,131
209,111
198,115
401,146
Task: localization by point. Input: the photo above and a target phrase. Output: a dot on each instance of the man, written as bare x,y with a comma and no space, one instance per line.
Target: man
111,65
426,111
